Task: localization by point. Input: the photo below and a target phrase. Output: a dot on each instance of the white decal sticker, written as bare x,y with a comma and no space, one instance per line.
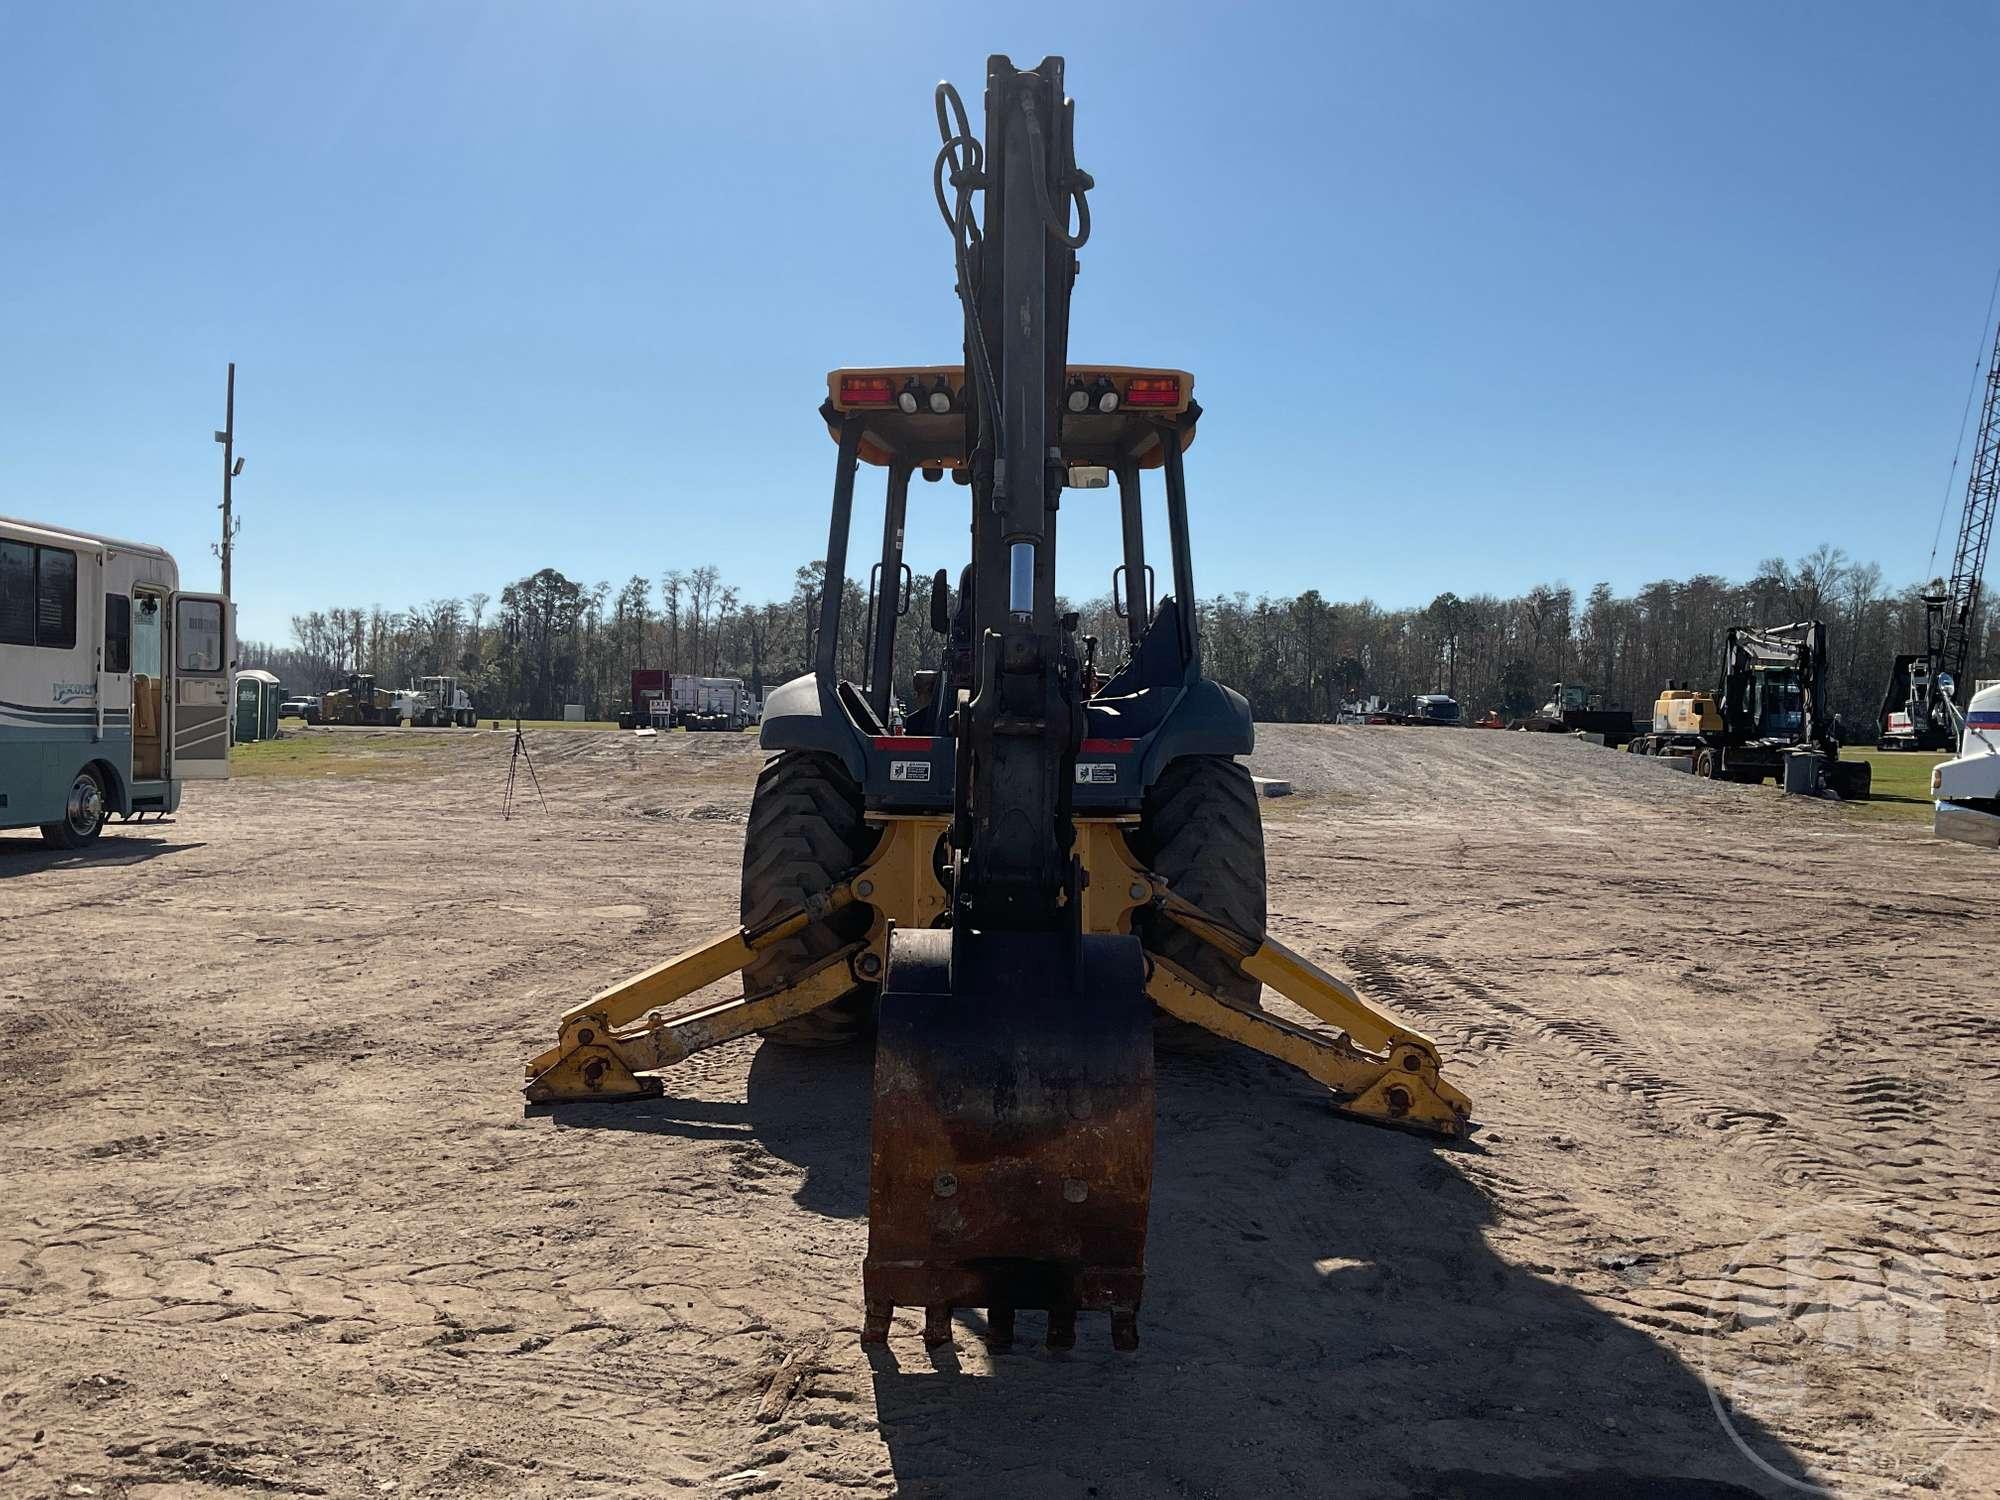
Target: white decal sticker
909,770
1096,772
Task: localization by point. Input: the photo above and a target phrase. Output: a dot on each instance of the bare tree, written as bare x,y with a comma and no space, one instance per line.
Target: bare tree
670,599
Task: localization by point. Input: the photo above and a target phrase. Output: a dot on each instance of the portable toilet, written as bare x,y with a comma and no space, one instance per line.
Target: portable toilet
258,694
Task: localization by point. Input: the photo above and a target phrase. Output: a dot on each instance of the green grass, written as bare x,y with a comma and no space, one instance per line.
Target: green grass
1900,785
567,724
487,723
308,756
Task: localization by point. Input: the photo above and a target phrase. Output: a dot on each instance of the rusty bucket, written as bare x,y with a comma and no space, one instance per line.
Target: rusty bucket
1012,1158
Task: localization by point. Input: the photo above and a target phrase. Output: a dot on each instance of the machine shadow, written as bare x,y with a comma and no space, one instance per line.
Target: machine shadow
807,1107
1323,1316
22,856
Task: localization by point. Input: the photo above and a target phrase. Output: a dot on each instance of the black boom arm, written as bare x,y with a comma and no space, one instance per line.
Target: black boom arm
1021,723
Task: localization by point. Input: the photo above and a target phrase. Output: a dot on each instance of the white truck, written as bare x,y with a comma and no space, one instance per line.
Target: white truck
434,703
717,703
1967,787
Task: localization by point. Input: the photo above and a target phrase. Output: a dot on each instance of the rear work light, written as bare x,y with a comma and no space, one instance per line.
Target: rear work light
866,390
940,397
1153,390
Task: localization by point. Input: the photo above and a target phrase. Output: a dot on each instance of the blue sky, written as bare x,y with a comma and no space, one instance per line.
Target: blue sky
1476,295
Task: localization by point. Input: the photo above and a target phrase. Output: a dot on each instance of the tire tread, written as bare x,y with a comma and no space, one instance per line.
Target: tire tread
806,831
1202,831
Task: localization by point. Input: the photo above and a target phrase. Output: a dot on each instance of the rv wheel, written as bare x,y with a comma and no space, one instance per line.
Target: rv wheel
83,814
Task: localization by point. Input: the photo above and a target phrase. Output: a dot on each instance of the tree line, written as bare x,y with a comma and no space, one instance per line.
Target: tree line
547,640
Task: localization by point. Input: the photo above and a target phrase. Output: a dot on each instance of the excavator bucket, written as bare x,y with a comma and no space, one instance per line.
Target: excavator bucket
1012,1159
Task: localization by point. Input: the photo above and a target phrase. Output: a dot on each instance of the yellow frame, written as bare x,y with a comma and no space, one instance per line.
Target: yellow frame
1378,1067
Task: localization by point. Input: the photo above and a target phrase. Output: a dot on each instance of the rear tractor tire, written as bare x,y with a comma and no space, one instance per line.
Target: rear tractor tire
1200,830
806,832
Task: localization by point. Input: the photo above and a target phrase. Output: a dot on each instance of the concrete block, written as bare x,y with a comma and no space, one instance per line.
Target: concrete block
1268,786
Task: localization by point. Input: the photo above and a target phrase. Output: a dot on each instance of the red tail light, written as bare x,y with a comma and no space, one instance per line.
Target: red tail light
1153,390
866,390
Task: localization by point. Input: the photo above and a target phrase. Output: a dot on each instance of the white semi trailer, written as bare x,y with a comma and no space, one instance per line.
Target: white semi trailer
718,703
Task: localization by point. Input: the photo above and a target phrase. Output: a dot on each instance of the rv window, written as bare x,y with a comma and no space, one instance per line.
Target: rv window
146,656
17,594
117,633
55,598
198,636
37,596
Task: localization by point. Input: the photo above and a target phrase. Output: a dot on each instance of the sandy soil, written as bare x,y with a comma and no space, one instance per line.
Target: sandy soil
275,1220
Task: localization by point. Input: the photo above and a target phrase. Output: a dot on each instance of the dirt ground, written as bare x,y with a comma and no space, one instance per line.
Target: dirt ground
275,1219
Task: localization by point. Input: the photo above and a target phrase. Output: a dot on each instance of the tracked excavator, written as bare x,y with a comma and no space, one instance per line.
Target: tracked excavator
1013,885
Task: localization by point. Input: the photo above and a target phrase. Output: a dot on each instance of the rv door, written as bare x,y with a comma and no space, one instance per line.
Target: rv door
203,647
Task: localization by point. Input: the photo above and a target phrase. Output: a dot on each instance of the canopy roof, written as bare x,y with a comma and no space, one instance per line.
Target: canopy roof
933,440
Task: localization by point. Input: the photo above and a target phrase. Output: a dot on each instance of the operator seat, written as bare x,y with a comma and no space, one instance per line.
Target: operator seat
1143,692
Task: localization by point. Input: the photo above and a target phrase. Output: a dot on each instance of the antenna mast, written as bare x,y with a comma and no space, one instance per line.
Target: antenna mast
1975,530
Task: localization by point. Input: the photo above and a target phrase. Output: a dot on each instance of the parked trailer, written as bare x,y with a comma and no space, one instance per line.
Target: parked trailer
652,701
114,682
717,703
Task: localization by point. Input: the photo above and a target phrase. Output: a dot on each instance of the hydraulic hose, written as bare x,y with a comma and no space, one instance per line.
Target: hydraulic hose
961,161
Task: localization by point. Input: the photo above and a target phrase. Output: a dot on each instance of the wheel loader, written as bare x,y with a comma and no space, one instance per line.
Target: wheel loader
1008,887
357,701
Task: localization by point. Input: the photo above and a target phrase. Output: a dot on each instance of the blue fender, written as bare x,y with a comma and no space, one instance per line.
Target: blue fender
802,715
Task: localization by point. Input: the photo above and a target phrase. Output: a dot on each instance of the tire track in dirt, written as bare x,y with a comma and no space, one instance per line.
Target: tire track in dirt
1434,986
1880,1146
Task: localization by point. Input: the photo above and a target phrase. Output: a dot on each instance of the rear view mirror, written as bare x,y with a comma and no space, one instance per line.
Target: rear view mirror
1089,477
941,603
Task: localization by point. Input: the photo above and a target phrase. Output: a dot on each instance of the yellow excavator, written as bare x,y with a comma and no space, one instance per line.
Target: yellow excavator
1010,885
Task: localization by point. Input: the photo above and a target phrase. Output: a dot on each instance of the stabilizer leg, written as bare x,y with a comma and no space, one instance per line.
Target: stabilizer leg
1382,1070
1398,1087
594,1062
600,1053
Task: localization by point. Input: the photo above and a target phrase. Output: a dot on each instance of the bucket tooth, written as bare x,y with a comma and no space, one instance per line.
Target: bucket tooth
937,1325
999,1329
875,1321
1062,1328
1124,1330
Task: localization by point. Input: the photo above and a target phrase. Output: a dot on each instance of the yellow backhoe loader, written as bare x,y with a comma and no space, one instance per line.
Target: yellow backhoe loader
1011,884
